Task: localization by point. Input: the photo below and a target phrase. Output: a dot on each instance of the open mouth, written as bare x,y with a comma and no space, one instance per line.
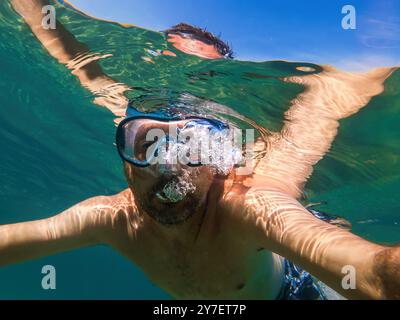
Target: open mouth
158,193
174,189
162,197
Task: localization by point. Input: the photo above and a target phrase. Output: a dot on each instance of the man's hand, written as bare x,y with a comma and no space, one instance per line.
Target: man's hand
90,222
277,222
387,269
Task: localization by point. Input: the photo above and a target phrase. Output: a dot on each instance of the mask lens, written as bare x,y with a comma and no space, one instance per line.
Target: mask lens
146,141
139,140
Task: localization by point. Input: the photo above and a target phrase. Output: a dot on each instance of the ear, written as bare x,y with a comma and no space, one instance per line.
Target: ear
128,170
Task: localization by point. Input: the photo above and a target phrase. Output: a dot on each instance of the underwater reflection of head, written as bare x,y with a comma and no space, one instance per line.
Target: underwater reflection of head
167,165
198,42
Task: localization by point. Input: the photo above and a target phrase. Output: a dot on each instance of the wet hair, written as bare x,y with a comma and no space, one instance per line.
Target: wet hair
202,35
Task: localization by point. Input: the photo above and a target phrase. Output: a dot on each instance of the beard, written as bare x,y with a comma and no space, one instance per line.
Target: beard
173,200
173,214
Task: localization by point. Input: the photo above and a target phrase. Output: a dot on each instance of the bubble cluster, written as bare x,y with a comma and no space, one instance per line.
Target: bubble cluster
178,188
201,143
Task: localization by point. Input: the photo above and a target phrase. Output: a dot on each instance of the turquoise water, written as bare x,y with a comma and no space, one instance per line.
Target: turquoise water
57,145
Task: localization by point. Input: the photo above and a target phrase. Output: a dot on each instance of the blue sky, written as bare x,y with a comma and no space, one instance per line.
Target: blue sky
308,30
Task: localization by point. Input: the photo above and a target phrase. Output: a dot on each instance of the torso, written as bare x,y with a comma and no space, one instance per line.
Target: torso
218,265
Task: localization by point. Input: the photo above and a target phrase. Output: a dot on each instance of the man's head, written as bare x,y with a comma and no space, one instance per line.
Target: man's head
199,42
171,165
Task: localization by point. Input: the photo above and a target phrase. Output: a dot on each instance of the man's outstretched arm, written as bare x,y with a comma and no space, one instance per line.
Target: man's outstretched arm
280,224
312,123
84,224
64,47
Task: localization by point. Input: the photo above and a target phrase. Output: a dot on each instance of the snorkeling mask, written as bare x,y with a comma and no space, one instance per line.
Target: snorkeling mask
143,137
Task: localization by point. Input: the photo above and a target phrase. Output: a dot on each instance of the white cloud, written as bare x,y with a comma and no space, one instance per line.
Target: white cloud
366,62
381,34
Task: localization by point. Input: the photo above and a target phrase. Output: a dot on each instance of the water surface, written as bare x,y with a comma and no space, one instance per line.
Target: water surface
57,145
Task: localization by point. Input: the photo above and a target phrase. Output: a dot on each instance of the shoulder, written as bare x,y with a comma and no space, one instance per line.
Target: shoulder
258,196
258,205
115,214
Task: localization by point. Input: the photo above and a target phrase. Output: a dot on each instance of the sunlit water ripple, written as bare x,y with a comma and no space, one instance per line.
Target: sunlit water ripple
57,144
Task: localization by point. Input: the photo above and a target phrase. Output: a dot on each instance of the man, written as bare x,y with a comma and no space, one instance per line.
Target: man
200,234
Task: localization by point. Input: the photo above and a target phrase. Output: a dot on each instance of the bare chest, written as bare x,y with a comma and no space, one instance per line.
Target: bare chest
215,270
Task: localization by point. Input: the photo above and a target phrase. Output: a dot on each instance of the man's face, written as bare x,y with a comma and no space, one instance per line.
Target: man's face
169,196
194,47
168,188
